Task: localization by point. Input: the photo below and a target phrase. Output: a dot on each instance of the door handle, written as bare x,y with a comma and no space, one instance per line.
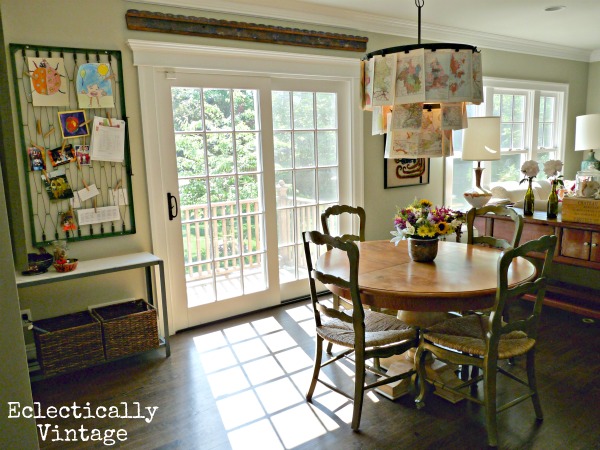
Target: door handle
172,205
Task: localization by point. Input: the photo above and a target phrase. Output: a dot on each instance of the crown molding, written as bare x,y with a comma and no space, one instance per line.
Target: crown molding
358,21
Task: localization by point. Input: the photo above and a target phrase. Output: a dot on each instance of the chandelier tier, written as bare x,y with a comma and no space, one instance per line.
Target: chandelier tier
418,94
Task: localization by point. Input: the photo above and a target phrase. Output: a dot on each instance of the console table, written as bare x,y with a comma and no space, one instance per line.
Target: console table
578,246
88,268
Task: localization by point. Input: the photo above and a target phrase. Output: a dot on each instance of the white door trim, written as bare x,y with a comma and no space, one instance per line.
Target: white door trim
163,59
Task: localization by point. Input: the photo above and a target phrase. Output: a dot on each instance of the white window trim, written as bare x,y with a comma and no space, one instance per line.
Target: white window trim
539,87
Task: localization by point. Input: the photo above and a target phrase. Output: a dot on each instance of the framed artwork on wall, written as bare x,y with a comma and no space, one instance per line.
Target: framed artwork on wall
405,172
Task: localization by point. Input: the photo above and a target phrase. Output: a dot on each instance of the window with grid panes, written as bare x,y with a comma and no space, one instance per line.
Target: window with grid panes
532,128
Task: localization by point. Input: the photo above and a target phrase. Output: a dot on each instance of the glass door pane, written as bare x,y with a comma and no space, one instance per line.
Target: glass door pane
217,139
306,136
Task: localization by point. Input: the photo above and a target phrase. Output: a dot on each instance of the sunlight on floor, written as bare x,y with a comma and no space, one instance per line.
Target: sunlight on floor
258,375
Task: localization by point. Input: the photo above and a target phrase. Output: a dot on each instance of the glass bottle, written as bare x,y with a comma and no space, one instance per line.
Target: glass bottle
528,204
552,208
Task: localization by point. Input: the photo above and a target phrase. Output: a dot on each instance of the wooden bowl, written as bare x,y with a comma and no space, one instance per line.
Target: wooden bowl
68,266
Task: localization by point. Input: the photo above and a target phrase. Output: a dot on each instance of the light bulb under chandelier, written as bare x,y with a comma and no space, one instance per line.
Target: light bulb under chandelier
418,94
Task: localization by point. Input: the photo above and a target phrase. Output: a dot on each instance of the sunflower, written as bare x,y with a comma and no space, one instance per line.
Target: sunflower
444,228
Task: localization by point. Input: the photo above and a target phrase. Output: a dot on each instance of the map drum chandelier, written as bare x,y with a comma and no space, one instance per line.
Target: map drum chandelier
418,94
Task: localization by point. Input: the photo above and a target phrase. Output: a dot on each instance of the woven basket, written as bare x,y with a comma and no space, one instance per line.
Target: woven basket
69,342
128,328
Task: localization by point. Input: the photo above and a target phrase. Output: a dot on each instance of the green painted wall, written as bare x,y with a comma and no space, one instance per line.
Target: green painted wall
14,376
593,92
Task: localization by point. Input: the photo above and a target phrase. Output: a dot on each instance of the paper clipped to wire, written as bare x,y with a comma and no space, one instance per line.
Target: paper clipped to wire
98,215
108,140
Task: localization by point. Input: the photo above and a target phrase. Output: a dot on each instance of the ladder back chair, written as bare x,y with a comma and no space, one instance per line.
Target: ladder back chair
363,333
336,211
483,340
491,240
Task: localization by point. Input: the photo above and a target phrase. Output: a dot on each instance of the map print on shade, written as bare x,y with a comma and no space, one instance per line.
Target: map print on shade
454,116
407,117
368,84
48,81
410,77
477,79
94,86
384,80
430,142
459,82
437,70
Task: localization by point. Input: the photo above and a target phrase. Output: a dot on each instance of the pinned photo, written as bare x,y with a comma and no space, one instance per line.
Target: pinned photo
37,158
62,155
82,153
57,187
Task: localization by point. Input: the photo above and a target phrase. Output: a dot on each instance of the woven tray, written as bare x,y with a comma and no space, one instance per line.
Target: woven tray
69,342
128,328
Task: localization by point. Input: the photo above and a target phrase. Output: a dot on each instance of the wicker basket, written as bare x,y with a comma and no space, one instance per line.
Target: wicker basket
128,328
69,342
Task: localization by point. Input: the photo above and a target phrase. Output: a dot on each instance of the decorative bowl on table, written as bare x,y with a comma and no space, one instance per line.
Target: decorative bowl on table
65,265
38,262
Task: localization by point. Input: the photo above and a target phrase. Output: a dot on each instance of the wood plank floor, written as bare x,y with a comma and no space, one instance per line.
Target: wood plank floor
240,384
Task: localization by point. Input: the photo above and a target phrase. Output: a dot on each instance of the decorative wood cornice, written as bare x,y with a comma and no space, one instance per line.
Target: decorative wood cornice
241,31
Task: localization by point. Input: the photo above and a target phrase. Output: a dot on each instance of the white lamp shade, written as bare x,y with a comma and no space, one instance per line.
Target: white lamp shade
481,140
587,132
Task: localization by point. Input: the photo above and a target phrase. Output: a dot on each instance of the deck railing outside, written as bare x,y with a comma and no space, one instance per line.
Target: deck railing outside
226,245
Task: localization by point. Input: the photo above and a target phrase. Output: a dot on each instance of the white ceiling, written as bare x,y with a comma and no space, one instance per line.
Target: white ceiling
515,25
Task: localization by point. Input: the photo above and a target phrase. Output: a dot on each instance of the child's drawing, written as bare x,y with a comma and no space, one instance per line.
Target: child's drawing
94,86
48,81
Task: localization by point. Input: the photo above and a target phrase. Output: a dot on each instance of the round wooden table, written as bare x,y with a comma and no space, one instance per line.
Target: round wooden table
462,277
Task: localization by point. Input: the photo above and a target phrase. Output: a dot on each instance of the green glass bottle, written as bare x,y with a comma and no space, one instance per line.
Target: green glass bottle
528,204
552,208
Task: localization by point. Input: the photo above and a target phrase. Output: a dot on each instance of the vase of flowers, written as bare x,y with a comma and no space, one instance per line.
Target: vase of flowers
423,224
530,169
551,169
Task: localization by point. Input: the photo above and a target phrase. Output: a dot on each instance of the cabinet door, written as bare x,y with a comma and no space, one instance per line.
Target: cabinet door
576,243
533,231
595,248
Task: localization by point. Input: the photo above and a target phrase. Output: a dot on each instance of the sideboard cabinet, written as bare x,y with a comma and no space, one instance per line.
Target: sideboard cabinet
575,283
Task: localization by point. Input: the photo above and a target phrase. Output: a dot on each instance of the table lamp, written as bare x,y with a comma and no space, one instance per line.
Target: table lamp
587,137
481,142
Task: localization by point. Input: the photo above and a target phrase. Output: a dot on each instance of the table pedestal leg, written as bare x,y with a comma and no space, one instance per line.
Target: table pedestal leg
436,370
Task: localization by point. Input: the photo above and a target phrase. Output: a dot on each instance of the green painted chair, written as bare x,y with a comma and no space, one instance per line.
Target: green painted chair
334,212
491,240
364,334
483,340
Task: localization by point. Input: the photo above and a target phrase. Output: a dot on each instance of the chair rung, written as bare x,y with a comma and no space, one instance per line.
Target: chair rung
335,389
515,401
388,380
337,357
513,377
